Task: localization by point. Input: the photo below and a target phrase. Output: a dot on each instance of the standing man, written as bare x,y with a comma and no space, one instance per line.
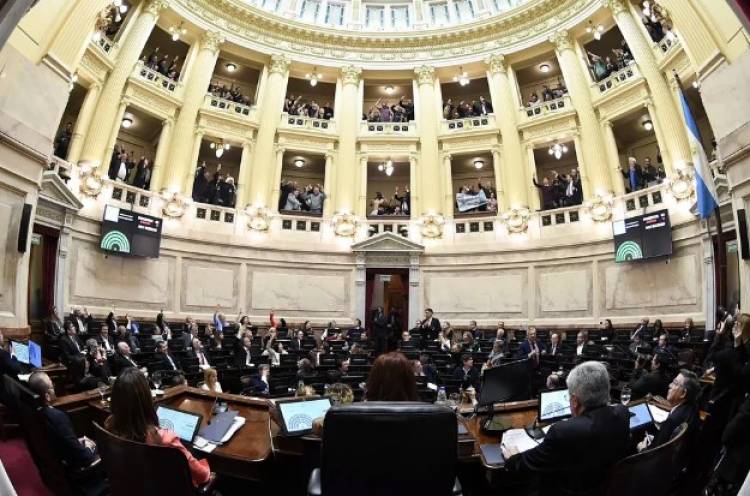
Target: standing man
380,330
430,325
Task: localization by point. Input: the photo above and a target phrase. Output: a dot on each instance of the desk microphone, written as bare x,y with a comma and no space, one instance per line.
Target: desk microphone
211,412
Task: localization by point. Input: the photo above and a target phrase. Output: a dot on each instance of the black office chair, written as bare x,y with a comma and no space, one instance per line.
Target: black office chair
387,449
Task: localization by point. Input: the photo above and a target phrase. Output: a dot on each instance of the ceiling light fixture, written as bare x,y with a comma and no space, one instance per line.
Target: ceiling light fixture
299,163
177,31
648,125
389,89
596,30
231,67
219,147
127,122
386,167
478,164
462,77
544,68
314,77
557,150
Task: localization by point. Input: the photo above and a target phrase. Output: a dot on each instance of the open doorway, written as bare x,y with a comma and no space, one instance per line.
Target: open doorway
42,266
389,288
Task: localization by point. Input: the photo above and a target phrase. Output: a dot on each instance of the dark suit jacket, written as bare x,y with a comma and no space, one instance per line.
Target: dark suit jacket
8,365
576,454
68,348
163,362
296,344
681,414
110,341
470,378
525,348
655,383
64,439
240,358
431,331
477,107
120,363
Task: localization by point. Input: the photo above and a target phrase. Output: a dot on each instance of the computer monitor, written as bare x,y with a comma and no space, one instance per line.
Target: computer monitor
297,415
507,382
29,353
184,424
640,416
554,405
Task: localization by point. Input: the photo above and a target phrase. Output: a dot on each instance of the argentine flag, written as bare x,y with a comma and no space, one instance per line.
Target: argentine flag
704,181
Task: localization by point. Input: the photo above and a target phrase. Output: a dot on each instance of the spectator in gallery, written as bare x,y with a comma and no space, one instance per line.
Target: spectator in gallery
377,204
227,192
62,142
492,203
634,175
482,107
547,191
533,100
314,198
292,200
403,200
142,178
573,190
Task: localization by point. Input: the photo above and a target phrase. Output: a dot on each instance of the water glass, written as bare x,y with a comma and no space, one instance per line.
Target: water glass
625,395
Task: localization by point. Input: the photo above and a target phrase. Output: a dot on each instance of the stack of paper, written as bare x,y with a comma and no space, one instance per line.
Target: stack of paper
518,439
659,414
207,446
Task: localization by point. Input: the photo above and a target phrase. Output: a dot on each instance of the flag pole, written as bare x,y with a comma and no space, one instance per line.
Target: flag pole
718,252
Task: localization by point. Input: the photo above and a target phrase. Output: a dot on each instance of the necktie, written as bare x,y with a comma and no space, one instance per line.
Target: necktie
76,345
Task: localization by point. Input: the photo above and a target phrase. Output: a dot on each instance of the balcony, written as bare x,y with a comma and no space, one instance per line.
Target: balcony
617,79
152,77
667,44
556,106
397,224
310,123
388,128
229,107
104,44
455,126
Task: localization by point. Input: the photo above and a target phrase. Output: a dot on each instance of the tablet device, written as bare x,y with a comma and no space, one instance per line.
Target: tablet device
184,424
640,416
297,415
29,353
492,454
554,405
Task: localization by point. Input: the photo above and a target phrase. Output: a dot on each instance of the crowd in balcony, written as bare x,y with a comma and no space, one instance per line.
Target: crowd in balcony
548,94
214,188
465,109
398,204
124,168
295,105
232,93
294,199
603,67
640,176
164,64
562,190
472,198
655,19
384,111
110,23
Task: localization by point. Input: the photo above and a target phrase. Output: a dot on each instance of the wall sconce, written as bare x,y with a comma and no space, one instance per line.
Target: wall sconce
299,163
127,122
478,164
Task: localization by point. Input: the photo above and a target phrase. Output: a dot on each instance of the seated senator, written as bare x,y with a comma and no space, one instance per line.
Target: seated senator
134,418
576,454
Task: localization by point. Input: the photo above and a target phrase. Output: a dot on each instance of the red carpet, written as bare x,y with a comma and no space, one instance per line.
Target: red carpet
21,469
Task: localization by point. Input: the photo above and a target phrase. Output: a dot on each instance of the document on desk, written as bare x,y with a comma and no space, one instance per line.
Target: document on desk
659,414
518,439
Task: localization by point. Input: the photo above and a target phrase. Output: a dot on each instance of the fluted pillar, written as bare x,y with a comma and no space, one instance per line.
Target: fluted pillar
659,132
68,39
344,196
196,151
512,163
592,165
160,160
329,180
271,104
665,108
95,150
499,180
414,172
276,178
114,127
534,201
430,185
613,158
83,123
695,35
446,174
361,209
179,176
243,177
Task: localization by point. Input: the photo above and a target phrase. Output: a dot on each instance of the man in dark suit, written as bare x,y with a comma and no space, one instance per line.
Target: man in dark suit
468,375
70,345
682,395
105,341
74,451
576,454
430,325
531,348
198,353
379,330
81,320
654,382
122,359
296,343
428,370
164,359
482,107
243,357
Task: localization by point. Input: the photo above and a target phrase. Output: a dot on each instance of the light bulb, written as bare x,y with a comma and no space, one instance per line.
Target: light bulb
175,36
123,9
389,170
219,152
212,145
565,149
558,155
313,82
227,146
380,167
117,3
96,36
597,35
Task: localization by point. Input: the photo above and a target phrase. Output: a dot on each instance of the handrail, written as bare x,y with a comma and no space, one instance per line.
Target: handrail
156,78
468,123
397,128
229,106
306,122
544,108
618,78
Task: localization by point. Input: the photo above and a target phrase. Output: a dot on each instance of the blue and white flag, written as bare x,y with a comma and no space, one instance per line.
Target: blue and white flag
705,188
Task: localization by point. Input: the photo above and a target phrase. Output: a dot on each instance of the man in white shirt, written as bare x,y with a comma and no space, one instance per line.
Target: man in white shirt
198,352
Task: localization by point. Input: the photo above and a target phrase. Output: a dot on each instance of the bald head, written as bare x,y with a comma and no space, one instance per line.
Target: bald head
41,384
123,348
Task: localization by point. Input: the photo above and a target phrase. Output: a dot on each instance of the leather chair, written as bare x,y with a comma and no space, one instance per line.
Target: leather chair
146,470
651,472
388,449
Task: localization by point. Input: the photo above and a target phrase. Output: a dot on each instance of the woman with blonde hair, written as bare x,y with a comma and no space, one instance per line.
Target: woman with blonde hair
211,381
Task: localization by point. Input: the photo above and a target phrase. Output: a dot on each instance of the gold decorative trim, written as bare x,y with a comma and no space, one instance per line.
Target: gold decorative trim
258,218
344,224
425,74
562,40
496,63
174,207
517,219
599,207
351,74
431,225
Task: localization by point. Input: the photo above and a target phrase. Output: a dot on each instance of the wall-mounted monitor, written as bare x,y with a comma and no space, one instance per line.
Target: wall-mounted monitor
643,237
125,232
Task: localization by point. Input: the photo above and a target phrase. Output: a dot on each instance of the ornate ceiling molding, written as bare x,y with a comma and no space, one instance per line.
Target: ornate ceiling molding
260,30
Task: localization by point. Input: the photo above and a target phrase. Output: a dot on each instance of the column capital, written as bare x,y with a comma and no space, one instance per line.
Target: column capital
279,149
447,156
495,149
607,123
96,85
413,157
154,7
248,143
496,63
199,132
329,155
351,74
168,121
425,74
562,40
279,64
616,6
125,101
211,40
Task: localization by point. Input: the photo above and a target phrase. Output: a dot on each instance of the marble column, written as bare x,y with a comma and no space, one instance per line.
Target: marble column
446,174
512,163
701,46
276,185
430,186
244,175
534,200
499,180
613,158
180,173
197,140
362,210
160,160
330,179
114,128
270,106
668,114
343,195
83,123
659,132
590,163
96,152
68,43
414,172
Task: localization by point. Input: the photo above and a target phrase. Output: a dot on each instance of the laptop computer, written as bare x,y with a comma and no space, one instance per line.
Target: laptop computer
184,424
297,415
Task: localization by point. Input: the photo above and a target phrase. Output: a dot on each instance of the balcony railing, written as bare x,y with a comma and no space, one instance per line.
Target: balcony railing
61,167
545,108
479,222
388,128
468,123
304,122
105,44
155,78
228,106
618,78
558,216
667,44
396,224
